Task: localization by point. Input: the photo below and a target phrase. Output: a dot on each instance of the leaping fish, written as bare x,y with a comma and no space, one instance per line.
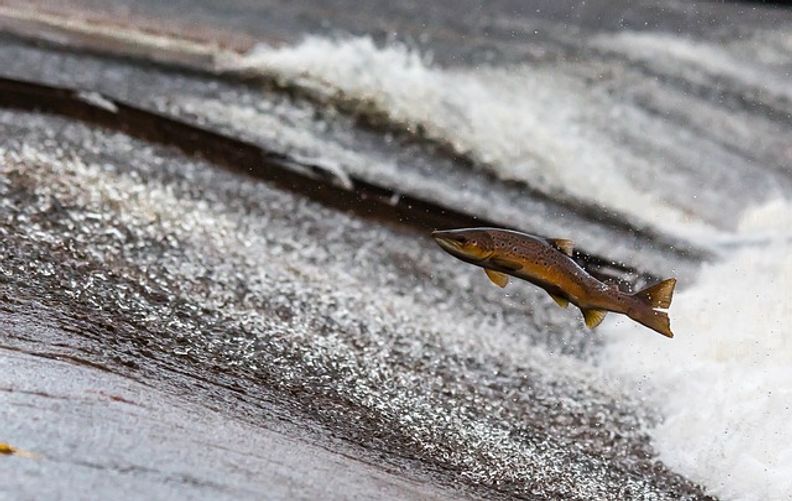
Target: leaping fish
548,264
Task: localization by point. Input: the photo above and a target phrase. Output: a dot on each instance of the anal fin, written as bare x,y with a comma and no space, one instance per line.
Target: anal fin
498,278
594,317
561,301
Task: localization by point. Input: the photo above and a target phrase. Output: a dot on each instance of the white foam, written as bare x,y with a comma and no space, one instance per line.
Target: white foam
743,60
525,123
724,383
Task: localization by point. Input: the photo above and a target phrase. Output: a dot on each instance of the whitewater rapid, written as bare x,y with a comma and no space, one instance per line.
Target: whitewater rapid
522,123
577,130
724,384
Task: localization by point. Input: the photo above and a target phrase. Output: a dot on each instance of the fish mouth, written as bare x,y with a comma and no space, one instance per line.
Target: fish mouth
447,242
455,244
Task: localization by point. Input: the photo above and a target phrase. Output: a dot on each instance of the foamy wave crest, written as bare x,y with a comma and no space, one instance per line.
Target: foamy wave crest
724,383
522,123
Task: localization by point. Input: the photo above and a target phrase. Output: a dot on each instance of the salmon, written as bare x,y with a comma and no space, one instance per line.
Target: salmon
548,263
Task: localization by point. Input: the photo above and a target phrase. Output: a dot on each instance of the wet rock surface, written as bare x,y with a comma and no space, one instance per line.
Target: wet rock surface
101,435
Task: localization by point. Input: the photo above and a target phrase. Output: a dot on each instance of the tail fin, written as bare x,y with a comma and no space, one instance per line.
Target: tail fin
658,295
656,320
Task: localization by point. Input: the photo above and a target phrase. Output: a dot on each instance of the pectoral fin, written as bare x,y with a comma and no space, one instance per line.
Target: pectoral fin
594,317
498,278
562,244
561,301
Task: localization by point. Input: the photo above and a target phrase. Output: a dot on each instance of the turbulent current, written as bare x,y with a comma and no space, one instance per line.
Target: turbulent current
668,152
723,385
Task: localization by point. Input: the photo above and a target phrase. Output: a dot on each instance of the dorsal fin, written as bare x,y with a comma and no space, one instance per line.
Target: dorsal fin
594,317
561,301
562,244
658,295
498,278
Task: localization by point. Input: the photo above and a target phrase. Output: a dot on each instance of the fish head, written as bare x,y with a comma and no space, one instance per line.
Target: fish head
472,245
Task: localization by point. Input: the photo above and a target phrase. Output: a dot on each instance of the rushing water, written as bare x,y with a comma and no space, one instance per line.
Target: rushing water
643,145
724,386
658,154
